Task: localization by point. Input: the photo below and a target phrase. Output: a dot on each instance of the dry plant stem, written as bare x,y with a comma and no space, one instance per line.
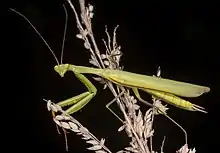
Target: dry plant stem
110,85
97,52
144,149
79,25
127,119
151,139
88,27
161,148
82,5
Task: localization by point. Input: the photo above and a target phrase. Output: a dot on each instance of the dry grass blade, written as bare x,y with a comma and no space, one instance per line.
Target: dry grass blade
67,122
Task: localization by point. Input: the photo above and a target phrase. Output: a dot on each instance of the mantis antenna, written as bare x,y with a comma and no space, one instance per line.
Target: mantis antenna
64,34
41,35
61,58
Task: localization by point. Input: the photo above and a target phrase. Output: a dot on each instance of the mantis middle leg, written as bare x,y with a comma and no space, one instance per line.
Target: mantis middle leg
111,102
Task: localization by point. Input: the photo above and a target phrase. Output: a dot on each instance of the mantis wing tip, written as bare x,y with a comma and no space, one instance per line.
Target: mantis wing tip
207,89
202,91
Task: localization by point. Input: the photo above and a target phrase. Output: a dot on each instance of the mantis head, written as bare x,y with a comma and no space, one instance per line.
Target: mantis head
61,69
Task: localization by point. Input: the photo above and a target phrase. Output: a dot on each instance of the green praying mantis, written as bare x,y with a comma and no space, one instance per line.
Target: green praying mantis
164,89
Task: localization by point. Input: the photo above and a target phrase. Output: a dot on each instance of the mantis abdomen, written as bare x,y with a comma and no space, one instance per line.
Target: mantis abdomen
175,101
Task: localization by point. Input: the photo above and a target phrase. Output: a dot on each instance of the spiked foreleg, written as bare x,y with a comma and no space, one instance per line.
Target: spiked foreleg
81,100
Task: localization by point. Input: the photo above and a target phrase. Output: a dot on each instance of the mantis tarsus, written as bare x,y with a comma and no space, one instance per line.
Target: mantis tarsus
164,89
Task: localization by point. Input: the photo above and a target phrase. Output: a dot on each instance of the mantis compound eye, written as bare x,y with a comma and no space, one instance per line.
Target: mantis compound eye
61,69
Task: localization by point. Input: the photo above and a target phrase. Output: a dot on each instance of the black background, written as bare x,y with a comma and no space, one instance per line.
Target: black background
182,38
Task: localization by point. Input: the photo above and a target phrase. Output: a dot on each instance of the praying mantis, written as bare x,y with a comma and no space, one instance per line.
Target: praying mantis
164,89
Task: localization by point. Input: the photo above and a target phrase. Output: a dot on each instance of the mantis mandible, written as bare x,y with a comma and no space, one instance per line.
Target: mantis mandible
164,89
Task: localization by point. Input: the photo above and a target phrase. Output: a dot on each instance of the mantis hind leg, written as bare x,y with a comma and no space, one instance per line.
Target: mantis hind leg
81,100
135,90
